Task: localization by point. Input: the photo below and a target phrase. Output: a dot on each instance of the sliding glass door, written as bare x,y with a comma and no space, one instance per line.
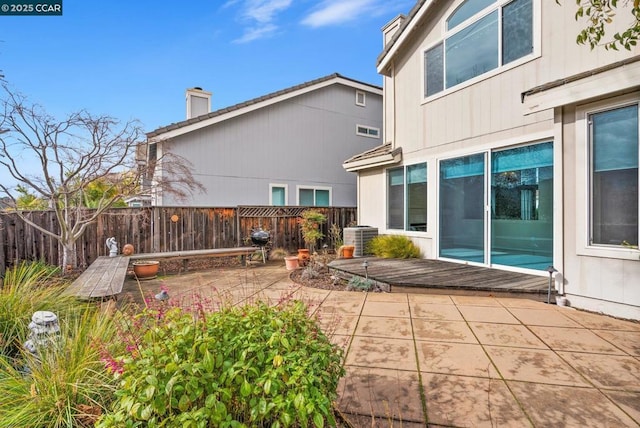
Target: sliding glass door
517,191
522,207
462,201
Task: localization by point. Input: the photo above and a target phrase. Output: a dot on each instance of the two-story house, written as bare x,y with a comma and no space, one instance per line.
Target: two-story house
284,148
508,145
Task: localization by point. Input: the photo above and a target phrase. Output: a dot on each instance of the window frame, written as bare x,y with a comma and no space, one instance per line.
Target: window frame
405,198
501,68
315,189
583,198
591,170
362,94
286,193
368,133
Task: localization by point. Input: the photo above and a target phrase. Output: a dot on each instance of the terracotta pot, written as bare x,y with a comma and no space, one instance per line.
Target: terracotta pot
291,262
146,269
347,251
303,256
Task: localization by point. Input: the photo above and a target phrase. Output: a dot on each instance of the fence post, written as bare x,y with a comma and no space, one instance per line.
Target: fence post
237,232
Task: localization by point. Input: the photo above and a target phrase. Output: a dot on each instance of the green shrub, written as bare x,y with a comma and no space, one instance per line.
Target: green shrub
249,366
310,227
393,247
357,283
67,385
28,287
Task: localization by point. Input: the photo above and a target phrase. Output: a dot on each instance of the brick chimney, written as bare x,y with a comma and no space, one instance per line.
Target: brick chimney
198,102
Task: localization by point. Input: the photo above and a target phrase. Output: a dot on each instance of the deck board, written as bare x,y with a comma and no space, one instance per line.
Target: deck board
428,274
103,278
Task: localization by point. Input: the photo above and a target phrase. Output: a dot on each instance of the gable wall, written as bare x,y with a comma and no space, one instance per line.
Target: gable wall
300,141
490,109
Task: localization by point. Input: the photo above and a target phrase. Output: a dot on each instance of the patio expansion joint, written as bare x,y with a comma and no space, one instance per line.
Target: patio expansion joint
355,327
589,384
421,385
495,366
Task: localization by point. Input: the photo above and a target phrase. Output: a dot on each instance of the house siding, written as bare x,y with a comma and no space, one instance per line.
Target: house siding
488,113
300,141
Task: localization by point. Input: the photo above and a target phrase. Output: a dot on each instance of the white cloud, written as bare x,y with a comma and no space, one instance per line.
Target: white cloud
259,17
333,12
263,11
255,33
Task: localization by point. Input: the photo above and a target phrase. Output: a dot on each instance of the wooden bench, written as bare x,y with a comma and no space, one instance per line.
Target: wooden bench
105,276
185,255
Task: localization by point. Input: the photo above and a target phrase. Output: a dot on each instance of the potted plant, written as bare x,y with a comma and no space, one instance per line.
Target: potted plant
291,262
146,269
310,228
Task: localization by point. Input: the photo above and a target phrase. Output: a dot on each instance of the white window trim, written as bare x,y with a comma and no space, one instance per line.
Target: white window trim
405,208
404,198
314,188
286,192
583,180
364,98
367,134
537,52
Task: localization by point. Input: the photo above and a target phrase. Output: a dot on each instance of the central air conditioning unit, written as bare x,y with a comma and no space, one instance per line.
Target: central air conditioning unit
359,236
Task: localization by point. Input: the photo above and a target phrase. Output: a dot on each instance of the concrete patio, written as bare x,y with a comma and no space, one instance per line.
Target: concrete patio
415,360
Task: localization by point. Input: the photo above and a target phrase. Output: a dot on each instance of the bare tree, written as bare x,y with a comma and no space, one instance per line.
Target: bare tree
74,154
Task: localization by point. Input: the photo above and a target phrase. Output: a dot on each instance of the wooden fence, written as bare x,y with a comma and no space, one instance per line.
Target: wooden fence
153,229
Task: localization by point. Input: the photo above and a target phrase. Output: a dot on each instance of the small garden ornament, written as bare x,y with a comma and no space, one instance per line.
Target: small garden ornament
112,245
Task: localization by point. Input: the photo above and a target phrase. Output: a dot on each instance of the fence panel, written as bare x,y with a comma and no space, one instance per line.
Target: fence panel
152,229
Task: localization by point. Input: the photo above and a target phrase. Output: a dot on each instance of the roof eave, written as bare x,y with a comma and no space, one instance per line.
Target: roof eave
180,128
374,162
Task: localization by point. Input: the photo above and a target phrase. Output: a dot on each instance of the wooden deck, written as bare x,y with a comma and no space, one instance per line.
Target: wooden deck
440,277
103,278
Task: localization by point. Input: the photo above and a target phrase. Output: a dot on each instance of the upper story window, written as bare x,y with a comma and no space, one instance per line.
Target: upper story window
367,131
481,35
361,98
466,10
152,153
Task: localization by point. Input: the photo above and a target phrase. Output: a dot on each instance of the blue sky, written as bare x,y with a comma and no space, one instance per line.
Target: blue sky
134,59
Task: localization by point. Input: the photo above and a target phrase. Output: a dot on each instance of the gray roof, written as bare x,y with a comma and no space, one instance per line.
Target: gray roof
242,105
384,154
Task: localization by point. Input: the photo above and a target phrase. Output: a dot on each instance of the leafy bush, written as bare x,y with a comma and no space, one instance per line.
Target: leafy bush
28,287
393,247
357,283
310,227
67,385
335,236
242,366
